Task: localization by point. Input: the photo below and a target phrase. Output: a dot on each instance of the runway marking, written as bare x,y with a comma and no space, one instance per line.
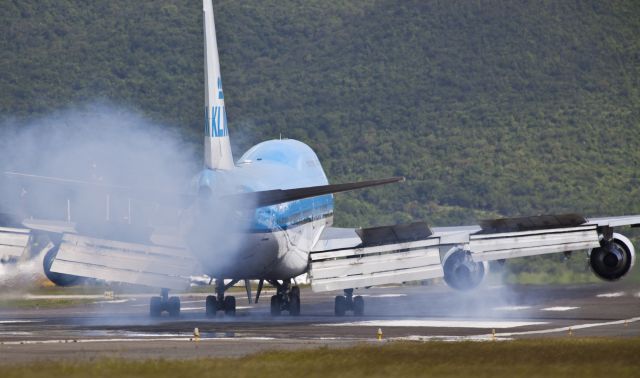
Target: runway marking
637,295
147,339
449,338
18,321
85,296
114,301
503,336
512,308
611,295
572,327
383,295
192,308
65,296
559,308
19,333
435,323
203,308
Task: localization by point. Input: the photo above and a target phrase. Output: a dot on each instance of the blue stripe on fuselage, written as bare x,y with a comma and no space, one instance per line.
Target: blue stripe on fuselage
289,214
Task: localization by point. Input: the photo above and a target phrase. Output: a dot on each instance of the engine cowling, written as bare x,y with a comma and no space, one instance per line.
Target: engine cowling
59,279
613,259
461,272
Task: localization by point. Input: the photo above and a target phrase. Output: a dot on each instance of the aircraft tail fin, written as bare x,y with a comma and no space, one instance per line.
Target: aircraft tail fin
217,147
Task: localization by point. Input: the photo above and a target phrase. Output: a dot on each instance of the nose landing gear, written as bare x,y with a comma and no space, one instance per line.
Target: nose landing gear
287,298
219,302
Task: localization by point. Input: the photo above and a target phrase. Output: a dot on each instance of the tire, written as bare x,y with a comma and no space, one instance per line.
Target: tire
173,306
358,306
340,307
211,304
294,304
275,306
230,306
155,307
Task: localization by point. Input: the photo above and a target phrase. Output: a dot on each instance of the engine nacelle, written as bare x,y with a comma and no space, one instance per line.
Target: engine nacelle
461,272
613,259
60,279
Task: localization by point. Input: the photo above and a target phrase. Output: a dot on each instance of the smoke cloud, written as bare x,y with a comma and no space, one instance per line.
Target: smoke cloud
101,143
109,146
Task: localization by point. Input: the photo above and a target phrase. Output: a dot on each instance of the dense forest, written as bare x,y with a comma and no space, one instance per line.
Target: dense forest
489,108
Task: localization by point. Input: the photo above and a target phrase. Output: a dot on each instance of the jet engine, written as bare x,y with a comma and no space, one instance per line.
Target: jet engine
461,272
60,279
613,259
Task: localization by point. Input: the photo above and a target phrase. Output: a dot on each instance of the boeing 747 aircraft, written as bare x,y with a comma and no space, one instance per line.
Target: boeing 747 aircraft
268,215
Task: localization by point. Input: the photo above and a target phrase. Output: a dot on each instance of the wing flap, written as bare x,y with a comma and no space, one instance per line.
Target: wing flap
108,274
376,263
150,265
13,242
381,278
624,220
538,222
488,247
380,264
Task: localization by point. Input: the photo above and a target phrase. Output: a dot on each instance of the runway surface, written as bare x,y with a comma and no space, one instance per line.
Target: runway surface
122,328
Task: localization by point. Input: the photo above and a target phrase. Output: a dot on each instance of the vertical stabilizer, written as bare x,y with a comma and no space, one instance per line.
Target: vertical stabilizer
217,148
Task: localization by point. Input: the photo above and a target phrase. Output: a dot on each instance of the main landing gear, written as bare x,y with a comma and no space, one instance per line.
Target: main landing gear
164,303
348,302
287,298
219,302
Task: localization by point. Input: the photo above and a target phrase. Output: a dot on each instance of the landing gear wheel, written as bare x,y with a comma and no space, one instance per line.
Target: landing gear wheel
155,307
276,305
340,307
173,307
211,304
294,304
230,306
358,306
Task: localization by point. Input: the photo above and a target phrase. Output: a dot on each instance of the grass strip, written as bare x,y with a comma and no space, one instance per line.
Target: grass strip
589,357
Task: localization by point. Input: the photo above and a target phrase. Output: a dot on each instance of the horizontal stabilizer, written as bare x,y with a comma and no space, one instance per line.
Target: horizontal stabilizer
141,264
273,197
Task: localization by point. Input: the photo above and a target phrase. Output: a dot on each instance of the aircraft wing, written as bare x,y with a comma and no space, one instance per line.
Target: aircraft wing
13,242
350,258
144,264
625,220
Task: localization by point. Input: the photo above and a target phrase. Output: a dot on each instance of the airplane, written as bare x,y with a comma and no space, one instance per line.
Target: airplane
268,217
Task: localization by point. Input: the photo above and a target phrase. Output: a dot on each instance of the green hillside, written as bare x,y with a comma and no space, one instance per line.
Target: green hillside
487,107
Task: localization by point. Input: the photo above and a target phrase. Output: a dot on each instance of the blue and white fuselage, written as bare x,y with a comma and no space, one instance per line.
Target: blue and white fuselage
272,242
